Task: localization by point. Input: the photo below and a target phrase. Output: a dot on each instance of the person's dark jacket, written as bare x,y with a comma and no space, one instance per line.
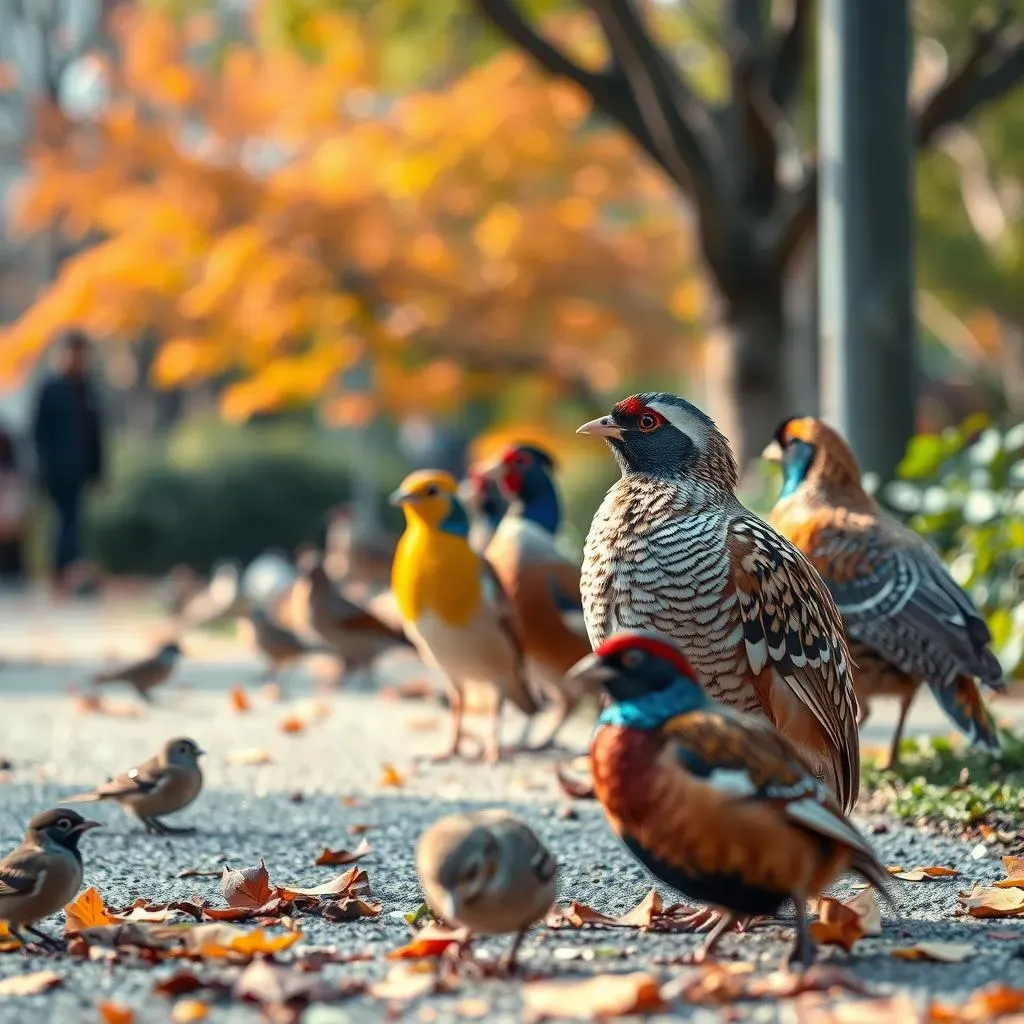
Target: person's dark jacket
68,432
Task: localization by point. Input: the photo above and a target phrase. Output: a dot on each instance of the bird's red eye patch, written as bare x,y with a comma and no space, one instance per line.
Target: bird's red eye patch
516,458
647,419
662,649
631,406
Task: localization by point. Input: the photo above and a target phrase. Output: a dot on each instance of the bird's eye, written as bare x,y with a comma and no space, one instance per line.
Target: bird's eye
63,824
647,421
632,659
430,490
521,461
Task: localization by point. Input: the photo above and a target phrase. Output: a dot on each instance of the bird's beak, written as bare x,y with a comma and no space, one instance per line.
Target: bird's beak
398,497
200,753
450,909
590,670
772,452
87,826
603,427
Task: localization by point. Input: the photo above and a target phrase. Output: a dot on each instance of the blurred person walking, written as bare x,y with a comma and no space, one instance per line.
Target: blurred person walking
13,512
68,434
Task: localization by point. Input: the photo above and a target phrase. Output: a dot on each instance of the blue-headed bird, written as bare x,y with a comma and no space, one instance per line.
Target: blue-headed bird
543,585
714,803
453,606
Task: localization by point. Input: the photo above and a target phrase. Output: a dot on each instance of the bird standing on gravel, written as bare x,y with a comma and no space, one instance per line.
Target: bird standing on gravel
905,616
714,803
453,607
44,873
278,644
671,548
487,872
144,675
168,782
543,585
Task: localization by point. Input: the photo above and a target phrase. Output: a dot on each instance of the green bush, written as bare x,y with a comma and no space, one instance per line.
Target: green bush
211,492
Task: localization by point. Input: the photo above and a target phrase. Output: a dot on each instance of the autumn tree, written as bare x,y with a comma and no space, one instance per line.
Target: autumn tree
275,221
737,158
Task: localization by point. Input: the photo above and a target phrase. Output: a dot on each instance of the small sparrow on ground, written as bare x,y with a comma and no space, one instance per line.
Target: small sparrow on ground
43,874
143,676
279,645
166,783
487,872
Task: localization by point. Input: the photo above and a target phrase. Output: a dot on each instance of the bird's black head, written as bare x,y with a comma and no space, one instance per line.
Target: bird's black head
662,435
61,826
525,471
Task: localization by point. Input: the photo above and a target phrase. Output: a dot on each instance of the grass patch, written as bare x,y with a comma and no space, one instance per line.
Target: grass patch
942,784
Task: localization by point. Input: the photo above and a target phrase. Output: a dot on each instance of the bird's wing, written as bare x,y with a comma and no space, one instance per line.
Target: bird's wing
496,598
896,596
136,670
791,629
347,614
143,779
22,872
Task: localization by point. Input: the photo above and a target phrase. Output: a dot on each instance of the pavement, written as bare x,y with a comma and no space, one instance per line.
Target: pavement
317,784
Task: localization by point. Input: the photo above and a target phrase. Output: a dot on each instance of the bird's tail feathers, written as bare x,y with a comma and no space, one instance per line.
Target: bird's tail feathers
871,871
963,704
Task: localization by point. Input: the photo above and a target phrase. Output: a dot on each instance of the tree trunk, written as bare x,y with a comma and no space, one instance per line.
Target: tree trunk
745,375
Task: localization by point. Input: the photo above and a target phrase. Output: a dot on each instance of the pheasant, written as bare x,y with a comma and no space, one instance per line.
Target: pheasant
907,620
671,548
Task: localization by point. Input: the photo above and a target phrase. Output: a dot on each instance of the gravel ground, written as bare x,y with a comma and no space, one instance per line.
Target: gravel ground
287,810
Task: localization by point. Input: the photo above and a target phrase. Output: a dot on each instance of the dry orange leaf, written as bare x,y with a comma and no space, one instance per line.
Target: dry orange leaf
984,1005
115,1013
8,943
992,901
601,998
291,724
646,914
87,911
389,776
32,984
839,925
354,882
251,943
188,1011
1014,879
250,756
247,887
940,952
920,874
405,982
430,941
336,858
240,699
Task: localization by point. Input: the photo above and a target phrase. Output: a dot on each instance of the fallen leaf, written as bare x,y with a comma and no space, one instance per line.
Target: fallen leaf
821,1008
250,756
199,873
920,874
599,998
336,858
785,984
984,1005
86,911
32,984
715,983
291,724
474,1008
991,901
247,887
270,986
187,982
389,776
250,943
119,934
865,905
354,882
188,1011
1014,874
838,925
941,952
8,943
115,1013
350,908
430,941
405,983
239,699
577,788
648,915
271,692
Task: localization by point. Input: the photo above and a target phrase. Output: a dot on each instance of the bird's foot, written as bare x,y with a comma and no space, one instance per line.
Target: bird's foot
42,943
171,830
699,922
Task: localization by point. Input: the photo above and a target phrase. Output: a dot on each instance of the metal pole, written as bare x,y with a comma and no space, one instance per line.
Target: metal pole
866,289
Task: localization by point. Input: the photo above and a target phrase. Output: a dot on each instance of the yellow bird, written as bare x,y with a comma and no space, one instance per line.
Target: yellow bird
453,607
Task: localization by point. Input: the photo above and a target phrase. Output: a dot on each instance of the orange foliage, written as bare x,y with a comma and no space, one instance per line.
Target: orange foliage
282,219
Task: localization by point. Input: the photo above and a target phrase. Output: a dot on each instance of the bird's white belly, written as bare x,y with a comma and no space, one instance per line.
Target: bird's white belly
478,652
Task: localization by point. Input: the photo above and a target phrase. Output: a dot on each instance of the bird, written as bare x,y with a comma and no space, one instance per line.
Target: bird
906,619
44,873
358,553
267,578
543,585
453,607
486,872
671,548
166,783
354,634
178,588
144,675
279,645
481,495
713,802
220,600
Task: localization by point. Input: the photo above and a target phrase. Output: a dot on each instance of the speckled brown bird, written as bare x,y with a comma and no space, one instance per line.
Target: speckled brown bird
168,782
487,872
907,620
143,676
671,548
44,873
715,803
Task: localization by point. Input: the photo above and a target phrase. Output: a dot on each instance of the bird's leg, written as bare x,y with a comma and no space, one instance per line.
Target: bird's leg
508,962
143,693
565,706
725,922
170,830
48,941
897,736
154,827
492,750
804,951
521,743
452,750
699,921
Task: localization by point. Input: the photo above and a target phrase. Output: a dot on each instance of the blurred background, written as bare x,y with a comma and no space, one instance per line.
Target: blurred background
310,244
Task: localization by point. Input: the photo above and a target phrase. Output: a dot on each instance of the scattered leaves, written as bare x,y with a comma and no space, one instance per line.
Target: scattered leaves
992,901
240,699
249,944
984,1005
838,925
431,941
940,952
251,756
115,1013
354,882
33,984
921,874
406,982
188,1011
1014,879
247,887
602,997
291,724
336,858
390,777
649,914
86,911
8,943
350,908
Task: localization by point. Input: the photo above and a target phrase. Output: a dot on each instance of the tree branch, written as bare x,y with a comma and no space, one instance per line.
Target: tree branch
789,57
758,122
994,66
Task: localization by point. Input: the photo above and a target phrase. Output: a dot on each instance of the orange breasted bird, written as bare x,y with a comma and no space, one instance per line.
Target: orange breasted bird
714,803
672,548
453,606
906,618
542,584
